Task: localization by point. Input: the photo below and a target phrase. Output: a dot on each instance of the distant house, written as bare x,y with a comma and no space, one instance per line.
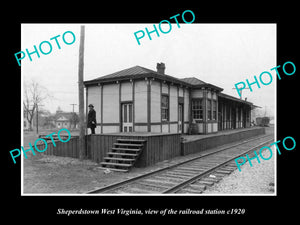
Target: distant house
66,120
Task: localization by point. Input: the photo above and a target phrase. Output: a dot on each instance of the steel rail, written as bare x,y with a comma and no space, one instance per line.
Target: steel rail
185,183
117,185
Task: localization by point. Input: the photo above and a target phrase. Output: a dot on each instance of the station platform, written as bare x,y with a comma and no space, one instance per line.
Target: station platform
158,147
195,143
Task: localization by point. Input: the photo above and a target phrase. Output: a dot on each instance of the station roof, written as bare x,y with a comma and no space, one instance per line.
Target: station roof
134,73
229,97
193,80
196,83
142,72
138,72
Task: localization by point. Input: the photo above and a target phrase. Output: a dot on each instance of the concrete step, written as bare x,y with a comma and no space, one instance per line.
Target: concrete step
131,140
127,149
127,144
116,164
121,154
114,169
119,159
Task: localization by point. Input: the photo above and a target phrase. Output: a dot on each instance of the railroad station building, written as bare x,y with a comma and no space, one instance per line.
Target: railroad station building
138,99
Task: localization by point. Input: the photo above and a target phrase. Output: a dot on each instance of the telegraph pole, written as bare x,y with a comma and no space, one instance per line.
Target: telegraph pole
81,95
73,106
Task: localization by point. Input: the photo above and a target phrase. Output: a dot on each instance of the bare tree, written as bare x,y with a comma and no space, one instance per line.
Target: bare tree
74,120
34,95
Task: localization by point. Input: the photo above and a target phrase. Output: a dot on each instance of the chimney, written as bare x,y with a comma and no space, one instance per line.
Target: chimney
160,68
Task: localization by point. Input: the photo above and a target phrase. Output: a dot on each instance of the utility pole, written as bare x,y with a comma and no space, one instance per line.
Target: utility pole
73,106
82,146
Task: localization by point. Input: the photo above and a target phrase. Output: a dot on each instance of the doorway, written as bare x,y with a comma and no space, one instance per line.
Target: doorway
127,124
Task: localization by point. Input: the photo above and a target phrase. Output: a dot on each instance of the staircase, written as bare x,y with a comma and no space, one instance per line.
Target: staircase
123,155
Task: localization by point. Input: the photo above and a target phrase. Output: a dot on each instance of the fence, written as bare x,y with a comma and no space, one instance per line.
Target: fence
66,149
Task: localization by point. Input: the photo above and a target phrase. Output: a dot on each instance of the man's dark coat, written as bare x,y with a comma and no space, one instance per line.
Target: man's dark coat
91,119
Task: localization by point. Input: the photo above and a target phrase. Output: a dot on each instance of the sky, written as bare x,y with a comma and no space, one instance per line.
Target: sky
220,54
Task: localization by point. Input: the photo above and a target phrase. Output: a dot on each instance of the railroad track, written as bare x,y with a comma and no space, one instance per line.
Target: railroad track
191,176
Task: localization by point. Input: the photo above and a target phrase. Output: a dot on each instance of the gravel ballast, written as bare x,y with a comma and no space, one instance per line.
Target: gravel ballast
258,179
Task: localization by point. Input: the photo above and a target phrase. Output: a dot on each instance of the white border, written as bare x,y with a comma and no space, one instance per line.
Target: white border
149,195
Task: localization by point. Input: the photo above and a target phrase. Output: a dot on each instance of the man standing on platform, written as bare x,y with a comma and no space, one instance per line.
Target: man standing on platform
91,123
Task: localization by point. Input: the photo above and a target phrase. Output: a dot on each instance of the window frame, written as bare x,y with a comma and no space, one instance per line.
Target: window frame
214,110
197,112
209,109
165,110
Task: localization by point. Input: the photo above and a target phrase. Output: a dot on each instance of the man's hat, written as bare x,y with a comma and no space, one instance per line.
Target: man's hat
90,105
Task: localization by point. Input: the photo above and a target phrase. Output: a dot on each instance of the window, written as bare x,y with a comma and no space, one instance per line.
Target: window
209,109
197,109
130,114
125,114
214,110
165,108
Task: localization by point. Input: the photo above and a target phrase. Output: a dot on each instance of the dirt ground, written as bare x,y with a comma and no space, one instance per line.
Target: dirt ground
43,174
53,174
